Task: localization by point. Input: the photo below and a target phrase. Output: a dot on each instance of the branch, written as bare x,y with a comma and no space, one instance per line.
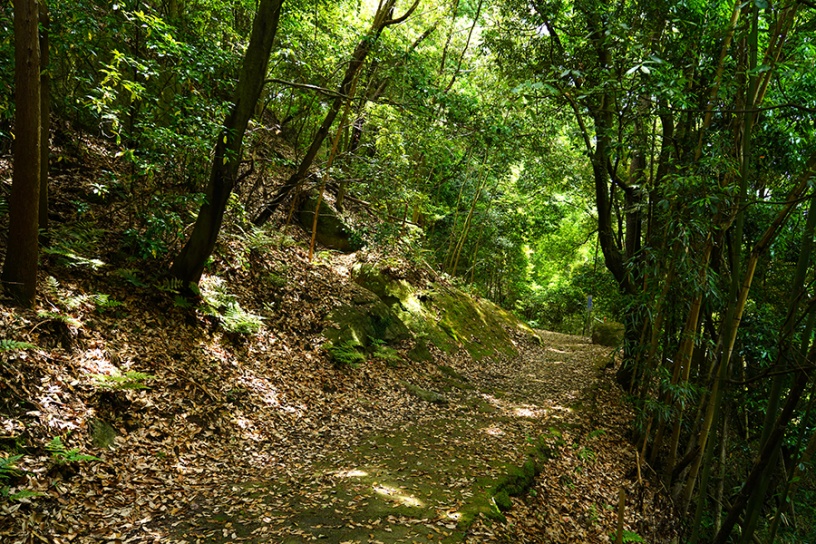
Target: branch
321,90
398,20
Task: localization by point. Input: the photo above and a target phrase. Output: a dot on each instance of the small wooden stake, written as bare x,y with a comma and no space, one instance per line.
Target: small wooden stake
621,510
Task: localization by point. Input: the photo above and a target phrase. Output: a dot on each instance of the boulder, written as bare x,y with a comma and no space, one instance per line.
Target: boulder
332,231
608,333
364,319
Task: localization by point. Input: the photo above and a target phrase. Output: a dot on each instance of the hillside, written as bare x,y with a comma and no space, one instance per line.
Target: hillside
233,418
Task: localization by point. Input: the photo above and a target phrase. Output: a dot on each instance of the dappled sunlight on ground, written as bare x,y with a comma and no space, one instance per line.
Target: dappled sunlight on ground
397,495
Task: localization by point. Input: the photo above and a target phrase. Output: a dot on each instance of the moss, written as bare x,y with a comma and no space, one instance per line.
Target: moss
448,318
364,319
608,333
332,231
420,352
424,394
502,500
519,480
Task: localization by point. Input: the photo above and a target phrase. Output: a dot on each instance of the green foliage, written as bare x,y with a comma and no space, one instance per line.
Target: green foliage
236,319
7,345
8,467
129,380
217,302
628,536
74,245
346,353
587,455
61,455
105,303
9,471
160,226
63,318
131,276
385,353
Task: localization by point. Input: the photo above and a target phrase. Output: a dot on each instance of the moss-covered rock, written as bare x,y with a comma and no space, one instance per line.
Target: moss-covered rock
364,319
444,316
608,333
103,434
428,396
332,231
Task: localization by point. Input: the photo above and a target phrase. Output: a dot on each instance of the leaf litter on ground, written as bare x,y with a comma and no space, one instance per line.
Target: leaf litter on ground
260,438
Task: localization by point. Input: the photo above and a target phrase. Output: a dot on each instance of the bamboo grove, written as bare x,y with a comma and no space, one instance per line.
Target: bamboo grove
697,121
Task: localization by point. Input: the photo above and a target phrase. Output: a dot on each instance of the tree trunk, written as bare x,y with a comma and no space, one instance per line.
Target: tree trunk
20,268
45,119
785,358
189,265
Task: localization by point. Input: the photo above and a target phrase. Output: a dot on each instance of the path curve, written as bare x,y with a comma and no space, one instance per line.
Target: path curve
430,476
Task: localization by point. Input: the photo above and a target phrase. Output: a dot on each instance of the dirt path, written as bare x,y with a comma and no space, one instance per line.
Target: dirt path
430,477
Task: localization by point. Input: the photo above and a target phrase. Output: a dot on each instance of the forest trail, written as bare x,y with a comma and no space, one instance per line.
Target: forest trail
423,477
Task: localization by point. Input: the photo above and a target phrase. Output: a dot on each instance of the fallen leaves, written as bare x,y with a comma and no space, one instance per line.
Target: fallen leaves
262,439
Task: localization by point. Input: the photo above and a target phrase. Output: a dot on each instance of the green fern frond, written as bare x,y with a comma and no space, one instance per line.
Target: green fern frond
14,345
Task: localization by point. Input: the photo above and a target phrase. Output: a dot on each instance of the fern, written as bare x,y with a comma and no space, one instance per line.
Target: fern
236,319
8,468
61,455
131,276
72,259
628,536
104,302
14,345
52,285
346,353
170,285
67,319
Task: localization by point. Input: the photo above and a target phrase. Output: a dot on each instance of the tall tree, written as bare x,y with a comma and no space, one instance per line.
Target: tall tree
20,267
189,264
45,115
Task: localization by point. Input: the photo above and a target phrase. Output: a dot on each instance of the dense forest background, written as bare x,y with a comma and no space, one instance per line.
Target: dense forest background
648,163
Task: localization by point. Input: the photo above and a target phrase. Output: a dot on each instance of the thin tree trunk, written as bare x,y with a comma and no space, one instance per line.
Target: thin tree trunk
723,457
454,12
20,267
359,122
332,155
189,265
800,383
468,220
464,50
785,356
702,497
